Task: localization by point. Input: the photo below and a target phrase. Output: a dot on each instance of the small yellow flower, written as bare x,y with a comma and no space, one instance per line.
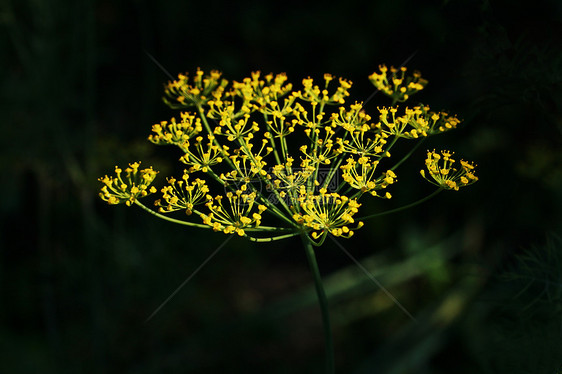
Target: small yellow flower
182,195
328,213
204,155
174,133
363,144
247,170
291,179
315,95
360,175
354,119
443,173
237,217
235,129
397,84
260,91
322,149
180,93
128,188
279,125
415,123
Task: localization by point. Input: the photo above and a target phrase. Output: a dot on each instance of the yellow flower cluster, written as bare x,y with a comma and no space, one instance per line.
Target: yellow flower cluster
315,95
182,195
328,213
129,187
201,156
443,173
360,174
182,94
416,122
302,155
289,180
176,133
237,216
262,91
246,170
396,84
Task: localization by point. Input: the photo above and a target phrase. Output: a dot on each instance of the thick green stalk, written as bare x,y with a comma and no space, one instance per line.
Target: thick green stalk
323,301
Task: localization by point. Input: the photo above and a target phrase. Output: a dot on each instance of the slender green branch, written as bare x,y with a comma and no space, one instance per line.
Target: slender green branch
334,169
284,148
314,151
323,301
215,176
272,138
201,225
247,150
408,154
272,238
192,224
203,117
275,210
321,241
387,150
403,207
269,228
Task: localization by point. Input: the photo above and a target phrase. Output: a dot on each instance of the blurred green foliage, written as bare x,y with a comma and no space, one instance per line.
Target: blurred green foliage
78,278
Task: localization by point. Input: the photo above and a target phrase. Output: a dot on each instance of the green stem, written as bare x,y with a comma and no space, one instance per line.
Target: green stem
192,224
200,225
275,210
210,132
334,169
323,301
272,238
268,228
387,150
403,207
272,139
408,155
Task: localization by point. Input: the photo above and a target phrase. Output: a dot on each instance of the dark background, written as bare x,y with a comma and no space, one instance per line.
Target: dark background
480,269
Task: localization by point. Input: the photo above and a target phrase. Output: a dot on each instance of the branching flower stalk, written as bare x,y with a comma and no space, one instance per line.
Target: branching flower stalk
266,161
